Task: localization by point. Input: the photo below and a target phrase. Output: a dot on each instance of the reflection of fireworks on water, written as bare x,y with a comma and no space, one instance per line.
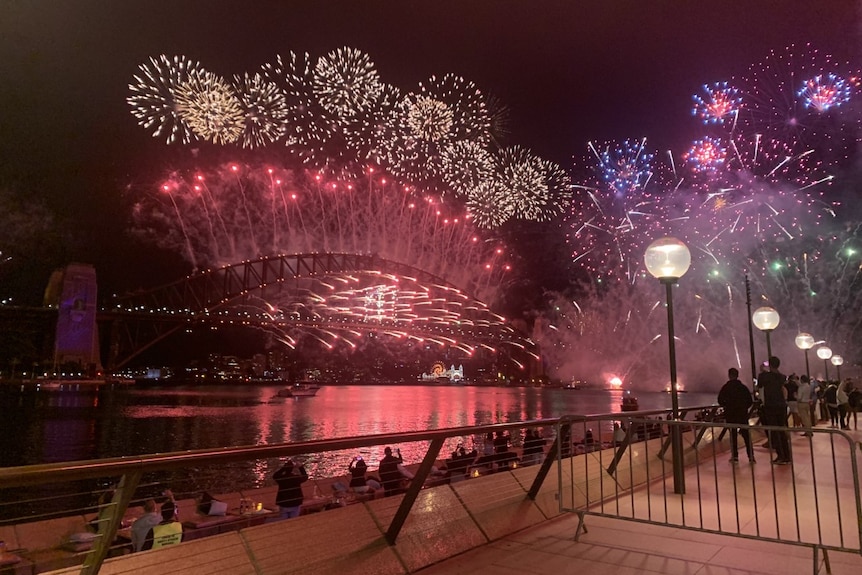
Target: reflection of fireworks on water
718,103
615,214
790,96
298,212
154,94
210,107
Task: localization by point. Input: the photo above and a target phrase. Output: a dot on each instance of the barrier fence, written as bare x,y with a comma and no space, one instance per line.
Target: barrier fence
599,470
813,502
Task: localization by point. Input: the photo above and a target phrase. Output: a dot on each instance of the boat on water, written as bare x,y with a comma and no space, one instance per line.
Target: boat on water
629,402
299,390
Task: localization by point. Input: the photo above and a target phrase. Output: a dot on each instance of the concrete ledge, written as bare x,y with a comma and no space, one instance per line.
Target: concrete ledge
438,527
218,554
345,541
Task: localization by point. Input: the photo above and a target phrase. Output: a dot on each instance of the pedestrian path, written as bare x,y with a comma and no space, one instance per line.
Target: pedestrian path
622,547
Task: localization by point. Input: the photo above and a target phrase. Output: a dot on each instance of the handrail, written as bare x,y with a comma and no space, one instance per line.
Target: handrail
52,472
129,470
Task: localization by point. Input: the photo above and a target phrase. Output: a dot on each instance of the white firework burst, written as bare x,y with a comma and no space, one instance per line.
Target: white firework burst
539,189
490,205
466,165
154,97
208,104
346,82
265,110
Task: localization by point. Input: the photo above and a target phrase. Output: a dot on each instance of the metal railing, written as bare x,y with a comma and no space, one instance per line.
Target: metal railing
128,476
814,502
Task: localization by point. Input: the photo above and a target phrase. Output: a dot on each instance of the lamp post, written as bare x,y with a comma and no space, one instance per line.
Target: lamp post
805,341
667,259
766,319
837,361
825,353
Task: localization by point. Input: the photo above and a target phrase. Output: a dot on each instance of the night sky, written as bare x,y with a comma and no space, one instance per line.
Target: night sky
72,156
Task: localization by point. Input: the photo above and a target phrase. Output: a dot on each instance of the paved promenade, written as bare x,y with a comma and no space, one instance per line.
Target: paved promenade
621,547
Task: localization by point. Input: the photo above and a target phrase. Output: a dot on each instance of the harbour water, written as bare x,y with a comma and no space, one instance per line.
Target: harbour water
86,422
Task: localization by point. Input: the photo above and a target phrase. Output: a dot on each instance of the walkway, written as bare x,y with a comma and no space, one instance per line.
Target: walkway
620,547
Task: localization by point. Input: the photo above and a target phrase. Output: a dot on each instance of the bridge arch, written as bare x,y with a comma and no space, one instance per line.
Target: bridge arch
324,292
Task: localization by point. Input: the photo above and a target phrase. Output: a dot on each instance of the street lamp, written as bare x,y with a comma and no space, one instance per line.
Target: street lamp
667,259
837,361
805,341
766,319
825,353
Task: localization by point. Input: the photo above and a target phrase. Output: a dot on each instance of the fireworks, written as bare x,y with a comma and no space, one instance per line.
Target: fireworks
300,212
488,205
154,97
209,106
625,167
307,126
706,155
794,96
466,166
337,116
264,110
346,82
717,104
824,92
538,189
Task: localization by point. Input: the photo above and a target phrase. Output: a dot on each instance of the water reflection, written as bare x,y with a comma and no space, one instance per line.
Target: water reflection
114,421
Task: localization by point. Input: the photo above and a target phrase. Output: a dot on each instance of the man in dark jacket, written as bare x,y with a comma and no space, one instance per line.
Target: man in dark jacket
774,396
289,496
736,400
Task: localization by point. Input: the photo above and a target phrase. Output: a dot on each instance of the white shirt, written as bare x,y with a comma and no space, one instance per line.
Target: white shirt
142,526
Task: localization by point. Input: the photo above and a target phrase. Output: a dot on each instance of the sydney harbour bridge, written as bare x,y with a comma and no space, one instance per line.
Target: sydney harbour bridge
332,297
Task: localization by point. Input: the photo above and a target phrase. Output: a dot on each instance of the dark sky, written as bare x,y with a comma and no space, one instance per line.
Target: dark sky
568,70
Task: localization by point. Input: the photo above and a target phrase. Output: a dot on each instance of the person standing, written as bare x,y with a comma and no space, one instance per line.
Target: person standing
805,398
736,400
843,404
289,497
792,386
774,395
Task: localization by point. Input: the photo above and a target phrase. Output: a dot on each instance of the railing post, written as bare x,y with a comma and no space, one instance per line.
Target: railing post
108,529
413,491
550,457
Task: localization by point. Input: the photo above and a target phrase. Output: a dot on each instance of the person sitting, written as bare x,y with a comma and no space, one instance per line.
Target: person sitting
534,447
359,483
168,532
459,466
392,472
144,523
501,443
